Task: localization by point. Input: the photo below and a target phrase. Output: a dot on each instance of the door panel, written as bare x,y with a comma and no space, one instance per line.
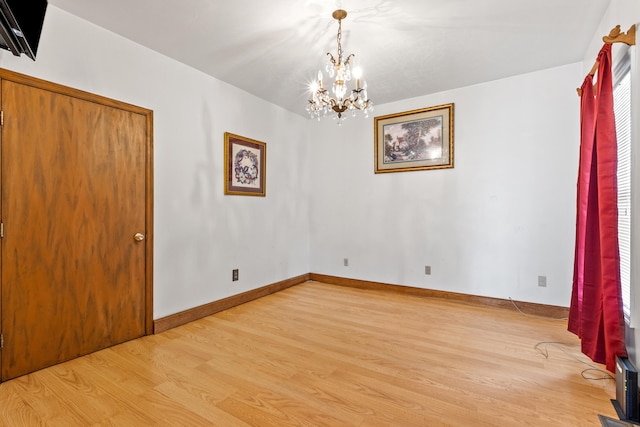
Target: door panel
73,196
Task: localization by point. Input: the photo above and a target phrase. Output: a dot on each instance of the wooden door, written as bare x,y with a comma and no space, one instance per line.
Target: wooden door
74,187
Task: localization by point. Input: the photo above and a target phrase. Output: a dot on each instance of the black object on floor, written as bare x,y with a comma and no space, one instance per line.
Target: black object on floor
611,422
626,402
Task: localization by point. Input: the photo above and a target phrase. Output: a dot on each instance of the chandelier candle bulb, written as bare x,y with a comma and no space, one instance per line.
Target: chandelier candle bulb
357,74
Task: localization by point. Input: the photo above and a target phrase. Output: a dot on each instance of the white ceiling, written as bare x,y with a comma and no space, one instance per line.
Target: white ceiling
406,48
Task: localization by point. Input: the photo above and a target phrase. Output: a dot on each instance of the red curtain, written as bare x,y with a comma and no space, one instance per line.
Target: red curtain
595,314
587,121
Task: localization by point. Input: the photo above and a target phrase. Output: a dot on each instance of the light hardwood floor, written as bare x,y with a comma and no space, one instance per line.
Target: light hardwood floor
325,355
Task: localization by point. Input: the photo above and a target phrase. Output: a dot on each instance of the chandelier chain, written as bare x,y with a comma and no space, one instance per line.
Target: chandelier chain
339,41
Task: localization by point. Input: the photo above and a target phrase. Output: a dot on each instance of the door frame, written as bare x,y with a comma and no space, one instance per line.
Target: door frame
148,114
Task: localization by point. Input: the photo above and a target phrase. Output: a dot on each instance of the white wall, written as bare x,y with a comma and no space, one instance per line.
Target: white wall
200,234
502,216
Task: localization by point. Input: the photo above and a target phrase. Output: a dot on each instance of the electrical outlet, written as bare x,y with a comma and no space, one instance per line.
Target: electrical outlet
346,262
427,269
234,275
542,281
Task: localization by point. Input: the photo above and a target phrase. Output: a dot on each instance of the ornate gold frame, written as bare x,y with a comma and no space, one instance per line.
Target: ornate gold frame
245,166
397,149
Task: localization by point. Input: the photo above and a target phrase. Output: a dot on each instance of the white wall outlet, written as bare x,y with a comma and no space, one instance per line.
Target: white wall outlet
542,281
346,262
427,269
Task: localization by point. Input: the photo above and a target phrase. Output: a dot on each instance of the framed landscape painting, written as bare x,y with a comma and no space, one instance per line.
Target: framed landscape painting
414,140
245,166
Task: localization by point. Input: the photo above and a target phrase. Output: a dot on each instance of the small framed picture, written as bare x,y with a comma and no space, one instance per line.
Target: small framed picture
414,140
245,163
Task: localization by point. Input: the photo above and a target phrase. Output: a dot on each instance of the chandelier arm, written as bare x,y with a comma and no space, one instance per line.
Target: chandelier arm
346,62
359,106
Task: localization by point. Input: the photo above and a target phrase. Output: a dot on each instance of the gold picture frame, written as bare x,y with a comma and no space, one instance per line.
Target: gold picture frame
245,166
414,140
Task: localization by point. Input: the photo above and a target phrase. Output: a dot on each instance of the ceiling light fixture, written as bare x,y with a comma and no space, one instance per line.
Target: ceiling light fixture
321,102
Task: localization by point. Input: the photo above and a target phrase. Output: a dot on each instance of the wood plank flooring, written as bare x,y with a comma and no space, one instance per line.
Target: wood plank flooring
325,355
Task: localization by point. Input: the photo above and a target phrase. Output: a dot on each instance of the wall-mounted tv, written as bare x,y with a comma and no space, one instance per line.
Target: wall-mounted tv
20,25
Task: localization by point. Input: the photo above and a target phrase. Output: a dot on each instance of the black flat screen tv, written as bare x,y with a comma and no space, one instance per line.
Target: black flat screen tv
20,25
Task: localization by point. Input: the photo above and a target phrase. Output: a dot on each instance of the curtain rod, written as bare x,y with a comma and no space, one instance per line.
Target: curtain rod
615,36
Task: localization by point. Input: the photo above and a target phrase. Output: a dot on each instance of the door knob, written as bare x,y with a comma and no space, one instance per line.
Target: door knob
138,237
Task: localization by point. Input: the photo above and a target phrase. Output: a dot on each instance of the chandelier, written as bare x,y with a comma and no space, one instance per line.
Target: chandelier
322,103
